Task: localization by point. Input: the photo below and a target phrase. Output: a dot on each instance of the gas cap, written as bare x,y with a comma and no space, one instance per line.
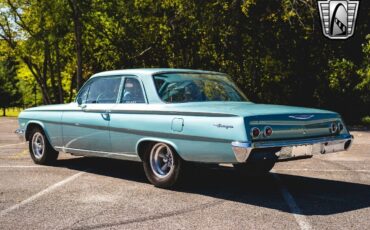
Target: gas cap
177,124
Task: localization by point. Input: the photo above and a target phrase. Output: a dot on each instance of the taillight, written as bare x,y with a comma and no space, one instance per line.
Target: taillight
268,131
341,127
333,128
255,132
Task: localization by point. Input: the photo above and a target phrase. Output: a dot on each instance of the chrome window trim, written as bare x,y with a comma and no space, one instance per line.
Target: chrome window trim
194,72
120,92
142,89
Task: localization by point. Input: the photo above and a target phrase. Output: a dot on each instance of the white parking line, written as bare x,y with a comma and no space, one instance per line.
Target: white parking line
43,192
324,170
11,144
22,166
5,122
293,206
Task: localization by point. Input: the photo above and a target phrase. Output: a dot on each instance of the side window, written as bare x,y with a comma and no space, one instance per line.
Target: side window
132,92
83,92
104,90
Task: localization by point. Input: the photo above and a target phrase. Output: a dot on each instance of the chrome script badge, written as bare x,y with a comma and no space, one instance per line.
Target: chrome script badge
338,18
302,117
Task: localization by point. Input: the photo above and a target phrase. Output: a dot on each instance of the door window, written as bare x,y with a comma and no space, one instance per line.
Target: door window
132,92
83,92
104,90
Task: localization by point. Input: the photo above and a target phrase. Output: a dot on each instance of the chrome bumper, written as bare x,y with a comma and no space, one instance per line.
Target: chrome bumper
291,149
21,134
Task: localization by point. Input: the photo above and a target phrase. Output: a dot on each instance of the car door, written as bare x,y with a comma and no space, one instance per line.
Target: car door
125,121
86,127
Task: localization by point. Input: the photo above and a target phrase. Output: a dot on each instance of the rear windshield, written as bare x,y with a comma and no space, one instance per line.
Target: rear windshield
195,87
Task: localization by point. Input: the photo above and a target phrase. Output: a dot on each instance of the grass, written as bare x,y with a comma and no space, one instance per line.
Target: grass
11,112
366,121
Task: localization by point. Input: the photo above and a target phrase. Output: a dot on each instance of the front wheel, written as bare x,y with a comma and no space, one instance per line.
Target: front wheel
40,149
162,165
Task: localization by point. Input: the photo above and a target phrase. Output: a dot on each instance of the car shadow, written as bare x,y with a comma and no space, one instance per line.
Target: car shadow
314,196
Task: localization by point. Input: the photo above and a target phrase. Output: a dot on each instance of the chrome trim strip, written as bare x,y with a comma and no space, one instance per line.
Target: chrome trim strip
143,132
293,122
149,112
83,152
269,144
301,117
301,141
168,135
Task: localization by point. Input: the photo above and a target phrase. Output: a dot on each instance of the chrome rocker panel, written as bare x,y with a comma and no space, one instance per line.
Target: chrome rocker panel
293,149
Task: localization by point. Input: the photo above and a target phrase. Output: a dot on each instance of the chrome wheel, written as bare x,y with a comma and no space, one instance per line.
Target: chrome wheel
161,160
38,145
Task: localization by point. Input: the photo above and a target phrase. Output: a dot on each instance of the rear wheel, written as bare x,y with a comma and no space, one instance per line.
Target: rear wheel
40,149
162,165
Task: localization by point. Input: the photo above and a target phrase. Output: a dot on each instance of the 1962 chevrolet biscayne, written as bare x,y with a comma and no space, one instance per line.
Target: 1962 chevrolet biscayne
167,117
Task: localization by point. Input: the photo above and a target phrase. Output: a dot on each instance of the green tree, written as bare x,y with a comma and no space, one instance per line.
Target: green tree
274,50
9,94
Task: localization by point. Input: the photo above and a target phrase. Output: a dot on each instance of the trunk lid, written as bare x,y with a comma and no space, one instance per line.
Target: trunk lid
287,122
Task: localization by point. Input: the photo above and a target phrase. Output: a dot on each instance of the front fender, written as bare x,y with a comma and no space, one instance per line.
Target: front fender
30,124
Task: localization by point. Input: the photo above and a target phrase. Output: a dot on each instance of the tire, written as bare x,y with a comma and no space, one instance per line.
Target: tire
40,149
162,165
255,168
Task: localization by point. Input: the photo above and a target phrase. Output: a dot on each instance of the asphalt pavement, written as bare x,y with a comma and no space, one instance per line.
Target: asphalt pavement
325,192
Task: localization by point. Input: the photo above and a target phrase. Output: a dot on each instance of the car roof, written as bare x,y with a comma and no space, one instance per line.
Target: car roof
150,71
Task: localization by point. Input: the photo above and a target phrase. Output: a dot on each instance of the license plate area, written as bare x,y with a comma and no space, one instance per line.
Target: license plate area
299,151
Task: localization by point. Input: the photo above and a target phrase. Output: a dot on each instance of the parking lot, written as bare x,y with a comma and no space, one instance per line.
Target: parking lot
325,192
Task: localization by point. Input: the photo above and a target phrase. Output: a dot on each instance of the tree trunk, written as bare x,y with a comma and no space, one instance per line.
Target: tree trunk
45,70
38,77
4,111
52,77
59,74
76,16
71,89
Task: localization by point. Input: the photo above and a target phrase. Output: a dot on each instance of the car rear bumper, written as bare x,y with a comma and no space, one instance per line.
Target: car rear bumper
293,149
21,133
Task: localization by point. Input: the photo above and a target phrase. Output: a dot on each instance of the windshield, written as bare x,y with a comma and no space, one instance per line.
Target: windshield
195,87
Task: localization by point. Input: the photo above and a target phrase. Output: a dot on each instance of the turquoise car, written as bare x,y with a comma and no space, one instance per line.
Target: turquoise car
168,118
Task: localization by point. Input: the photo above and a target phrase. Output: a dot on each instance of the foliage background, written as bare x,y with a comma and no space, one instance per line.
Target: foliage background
274,50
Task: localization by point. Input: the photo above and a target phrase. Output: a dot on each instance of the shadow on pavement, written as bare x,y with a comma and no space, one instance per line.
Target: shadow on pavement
314,196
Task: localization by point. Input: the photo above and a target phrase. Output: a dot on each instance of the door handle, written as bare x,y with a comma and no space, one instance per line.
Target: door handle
106,115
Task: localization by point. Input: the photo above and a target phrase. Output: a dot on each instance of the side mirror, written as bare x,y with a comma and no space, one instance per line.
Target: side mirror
79,101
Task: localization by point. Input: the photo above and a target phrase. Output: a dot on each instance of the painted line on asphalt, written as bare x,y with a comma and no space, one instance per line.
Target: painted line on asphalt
41,193
5,122
324,170
12,144
22,166
293,206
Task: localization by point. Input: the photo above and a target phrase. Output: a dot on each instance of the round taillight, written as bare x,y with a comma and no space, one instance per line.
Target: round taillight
341,127
268,131
334,127
255,132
